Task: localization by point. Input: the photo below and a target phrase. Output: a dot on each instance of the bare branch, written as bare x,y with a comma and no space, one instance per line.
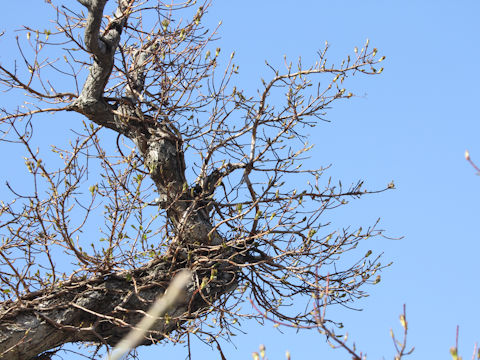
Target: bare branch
173,295
235,202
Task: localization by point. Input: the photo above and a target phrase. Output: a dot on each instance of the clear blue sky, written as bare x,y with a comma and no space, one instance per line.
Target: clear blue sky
411,124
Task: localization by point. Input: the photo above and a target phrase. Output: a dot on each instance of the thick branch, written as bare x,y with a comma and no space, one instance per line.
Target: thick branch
92,29
160,146
91,102
101,310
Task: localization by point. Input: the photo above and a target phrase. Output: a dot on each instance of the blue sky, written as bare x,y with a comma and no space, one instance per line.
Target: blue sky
411,124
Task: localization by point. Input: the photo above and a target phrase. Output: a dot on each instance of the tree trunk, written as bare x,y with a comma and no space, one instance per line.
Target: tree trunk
103,309
100,310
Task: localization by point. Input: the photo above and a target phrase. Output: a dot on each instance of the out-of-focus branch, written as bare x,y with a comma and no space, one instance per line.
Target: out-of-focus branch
174,294
467,157
252,221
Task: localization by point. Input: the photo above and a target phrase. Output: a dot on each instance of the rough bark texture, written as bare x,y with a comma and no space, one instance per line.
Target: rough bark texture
236,226
99,310
103,310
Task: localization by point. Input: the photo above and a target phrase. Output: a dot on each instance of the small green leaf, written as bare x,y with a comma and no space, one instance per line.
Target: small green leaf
182,34
165,24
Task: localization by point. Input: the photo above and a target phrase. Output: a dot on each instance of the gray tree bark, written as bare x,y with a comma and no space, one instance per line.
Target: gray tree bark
103,309
99,310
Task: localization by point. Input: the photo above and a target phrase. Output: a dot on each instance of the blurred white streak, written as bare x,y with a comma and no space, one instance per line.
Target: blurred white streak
172,296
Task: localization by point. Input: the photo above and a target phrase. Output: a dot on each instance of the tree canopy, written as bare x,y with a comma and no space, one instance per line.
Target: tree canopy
170,165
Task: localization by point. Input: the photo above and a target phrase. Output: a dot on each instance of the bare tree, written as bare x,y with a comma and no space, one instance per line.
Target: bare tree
199,175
